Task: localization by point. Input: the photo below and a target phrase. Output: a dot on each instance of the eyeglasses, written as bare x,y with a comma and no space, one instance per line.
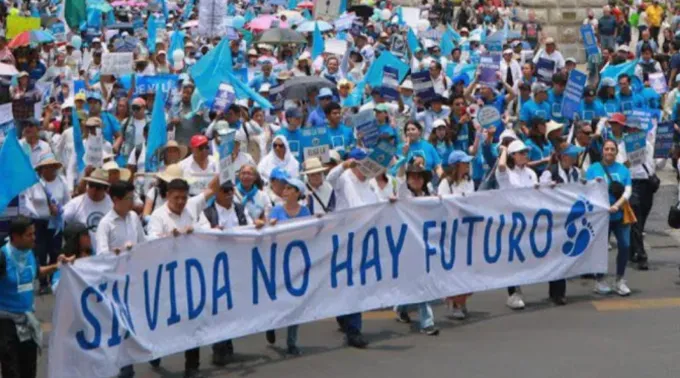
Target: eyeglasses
279,145
97,186
136,108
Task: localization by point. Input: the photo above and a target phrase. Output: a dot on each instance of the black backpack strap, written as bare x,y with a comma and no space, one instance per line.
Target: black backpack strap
3,265
555,174
240,214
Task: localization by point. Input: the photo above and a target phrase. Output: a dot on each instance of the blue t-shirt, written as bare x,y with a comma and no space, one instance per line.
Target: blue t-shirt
342,139
444,150
387,130
537,152
279,213
630,102
555,101
612,106
426,150
588,112
293,138
619,173
531,110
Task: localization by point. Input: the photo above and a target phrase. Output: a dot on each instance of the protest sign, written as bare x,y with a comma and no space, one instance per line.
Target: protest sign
118,63
276,96
127,44
422,85
327,10
657,81
17,24
488,116
211,15
58,29
664,140
390,83
526,56
224,98
6,113
377,161
315,142
366,127
636,150
544,70
225,148
138,23
639,119
174,294
336,46
489,65
589,41
156,83
411,16
398,45
94,150
573,93
344,22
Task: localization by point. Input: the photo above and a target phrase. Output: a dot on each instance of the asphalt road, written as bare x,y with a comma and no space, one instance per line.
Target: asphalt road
591,337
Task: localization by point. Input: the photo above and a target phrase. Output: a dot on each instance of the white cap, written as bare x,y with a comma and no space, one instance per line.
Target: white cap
508,51
623,48
552,126
550,40
96,40
265,87
407,84
516,146
570,59
507,133
438,123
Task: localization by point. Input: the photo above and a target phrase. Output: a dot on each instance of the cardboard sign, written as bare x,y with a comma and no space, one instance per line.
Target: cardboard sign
573,93
224,98
119,63
94,150
336,47
664,140
365,125
377,161
423,86
390,83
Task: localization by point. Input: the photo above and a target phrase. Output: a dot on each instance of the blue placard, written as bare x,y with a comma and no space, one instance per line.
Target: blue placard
242,74
79,87
315,142
390,83
664,140
148,84
365,125
573,93
423,86
639,119
224,98
636,144
276,97
344,22
489,65
544,70
58,29
589,40
138,23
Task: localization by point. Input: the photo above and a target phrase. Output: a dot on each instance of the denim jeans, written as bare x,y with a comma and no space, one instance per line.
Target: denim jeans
425,314
607,41
350,323
622,234
291,338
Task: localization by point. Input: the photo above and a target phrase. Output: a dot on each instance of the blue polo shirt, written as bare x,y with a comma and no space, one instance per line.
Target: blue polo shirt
531,110
342,139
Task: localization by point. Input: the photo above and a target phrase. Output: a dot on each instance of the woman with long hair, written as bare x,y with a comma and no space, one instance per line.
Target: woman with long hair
539,147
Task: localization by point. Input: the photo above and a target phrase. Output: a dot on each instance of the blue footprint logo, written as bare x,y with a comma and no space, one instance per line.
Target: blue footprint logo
579,230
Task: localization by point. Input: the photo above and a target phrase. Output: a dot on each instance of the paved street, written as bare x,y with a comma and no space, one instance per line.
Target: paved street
592,337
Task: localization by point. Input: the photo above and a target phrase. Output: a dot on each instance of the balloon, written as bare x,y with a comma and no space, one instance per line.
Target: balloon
238,22
385,14
178,65
177,56
423,25
77,42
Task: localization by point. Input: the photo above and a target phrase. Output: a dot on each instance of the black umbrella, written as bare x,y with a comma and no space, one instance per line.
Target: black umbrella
296,88
363,11
281,36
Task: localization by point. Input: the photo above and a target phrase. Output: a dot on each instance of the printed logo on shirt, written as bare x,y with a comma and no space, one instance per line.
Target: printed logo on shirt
557,110
338,141
294,145
93,220
627,105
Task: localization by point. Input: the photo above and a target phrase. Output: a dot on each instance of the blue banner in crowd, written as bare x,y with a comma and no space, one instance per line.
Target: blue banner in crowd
544,70
422,85
589,40
156,83
315,142
664,140
640,119
79,87
366,127
390,84
224,98
573,93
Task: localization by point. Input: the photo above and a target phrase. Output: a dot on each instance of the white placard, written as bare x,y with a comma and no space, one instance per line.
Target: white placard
411,16
6,114
179,293
94,150
211,16
326,9
117,63
336,46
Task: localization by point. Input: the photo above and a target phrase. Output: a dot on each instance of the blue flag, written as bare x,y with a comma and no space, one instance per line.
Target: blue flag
318,45
412,41
374,75
400,17
249,16
164,5
151,32
78,145
17,172
187,10
158,134
343,6
446,45
210,71
628,68
244,91
292,4
307,15
176,43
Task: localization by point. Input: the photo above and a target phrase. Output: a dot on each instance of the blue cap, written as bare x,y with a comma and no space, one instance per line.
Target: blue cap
279,174
297,183
459,157
357,154
92,95
293,113
573,151
325,92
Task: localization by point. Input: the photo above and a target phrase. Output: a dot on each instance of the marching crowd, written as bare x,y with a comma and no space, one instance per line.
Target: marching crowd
267,155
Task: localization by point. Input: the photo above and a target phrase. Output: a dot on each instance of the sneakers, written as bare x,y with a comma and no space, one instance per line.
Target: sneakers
402,317
515,301
602,287
271,336
293,351
193,373
356,340
430,331
621,288
458,313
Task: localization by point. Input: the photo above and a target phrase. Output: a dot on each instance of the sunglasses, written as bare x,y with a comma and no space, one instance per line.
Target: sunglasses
97,186
136,108
279,145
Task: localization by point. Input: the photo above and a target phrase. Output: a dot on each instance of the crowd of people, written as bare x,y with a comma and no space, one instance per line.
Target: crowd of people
440,146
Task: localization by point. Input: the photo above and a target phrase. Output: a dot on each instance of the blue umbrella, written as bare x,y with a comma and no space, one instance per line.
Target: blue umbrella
308,27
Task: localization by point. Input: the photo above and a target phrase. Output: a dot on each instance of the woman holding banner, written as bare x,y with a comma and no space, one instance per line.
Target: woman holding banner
620,184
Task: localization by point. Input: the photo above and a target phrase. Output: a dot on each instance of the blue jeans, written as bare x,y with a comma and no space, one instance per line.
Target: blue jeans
425,314
351,323
607,41
622,234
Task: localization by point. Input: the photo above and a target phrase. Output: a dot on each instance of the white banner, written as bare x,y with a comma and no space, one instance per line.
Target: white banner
174,294
120,63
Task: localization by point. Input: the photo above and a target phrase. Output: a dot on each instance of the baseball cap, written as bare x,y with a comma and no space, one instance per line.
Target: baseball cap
198,141
517,146
573,151
357,154
94,96
325,92
293,113
382,108
279,174
618,118
459,157
550,40
296,183
539,87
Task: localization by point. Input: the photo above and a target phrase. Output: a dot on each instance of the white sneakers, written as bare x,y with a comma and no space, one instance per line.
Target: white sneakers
515,301
458,313
620,287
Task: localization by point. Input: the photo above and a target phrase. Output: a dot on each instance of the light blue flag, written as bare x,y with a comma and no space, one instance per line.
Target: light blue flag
211,69
188,9
412,41
164,5
242,91
249,16
151,33
356,96
374,76
318,45
17,173
452,34
446,45
292,4
158,134
78,145
176,43
614,71
307,15
231,9
400,17
343,6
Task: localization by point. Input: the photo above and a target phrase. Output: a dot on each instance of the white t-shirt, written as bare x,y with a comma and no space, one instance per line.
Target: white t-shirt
37,199
456,190
524,177
83,210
